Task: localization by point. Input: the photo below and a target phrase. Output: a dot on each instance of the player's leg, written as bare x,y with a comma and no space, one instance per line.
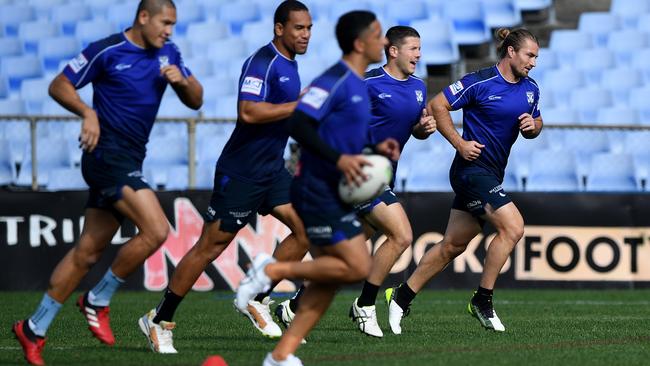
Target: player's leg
462,227
510,228
99,228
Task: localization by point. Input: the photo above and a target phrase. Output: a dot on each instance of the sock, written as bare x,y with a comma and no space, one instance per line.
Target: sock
404,296
167,307
101,294
43,316
483,297
368,295
293,303
262,295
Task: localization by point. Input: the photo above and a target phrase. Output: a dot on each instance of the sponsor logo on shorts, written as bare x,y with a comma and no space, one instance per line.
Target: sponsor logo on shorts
211,212
239,214
319,231
135,174
77,63
474,204
349,217
456,87
252,85
496,189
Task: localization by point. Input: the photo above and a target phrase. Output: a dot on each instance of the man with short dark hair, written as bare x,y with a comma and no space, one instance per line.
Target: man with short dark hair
250,176
129,72
331,124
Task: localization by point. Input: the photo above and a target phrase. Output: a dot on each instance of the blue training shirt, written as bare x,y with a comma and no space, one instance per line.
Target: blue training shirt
338,100
255,152
127,88
396,106
491,108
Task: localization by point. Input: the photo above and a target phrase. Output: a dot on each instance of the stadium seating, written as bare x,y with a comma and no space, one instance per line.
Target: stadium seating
501,13
7,163
584,100
468,22
552,170
599,25
18,68
49,156
87,31
612,172
12,15
69,15
437,42
65,179
629,11
10,46
566,43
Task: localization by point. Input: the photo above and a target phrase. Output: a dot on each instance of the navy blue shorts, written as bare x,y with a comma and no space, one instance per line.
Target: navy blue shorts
388,197
236,202
474,191
106,173
330,227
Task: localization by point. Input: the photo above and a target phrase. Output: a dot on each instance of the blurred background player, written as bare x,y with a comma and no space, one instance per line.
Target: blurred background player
331,124
397,101
498,103
250,176
129,72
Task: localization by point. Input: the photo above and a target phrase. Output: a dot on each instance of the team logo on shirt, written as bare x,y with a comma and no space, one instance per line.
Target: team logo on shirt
163,61
315,97
284,79
252,85
419,96
456,87
530,96
77,63
384,96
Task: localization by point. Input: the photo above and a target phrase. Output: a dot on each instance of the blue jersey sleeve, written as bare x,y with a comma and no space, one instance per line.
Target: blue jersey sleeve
256,76
461,93
536,113
178,61
317,101
88,65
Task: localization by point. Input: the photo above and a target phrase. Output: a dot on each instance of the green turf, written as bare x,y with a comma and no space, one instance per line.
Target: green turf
542,328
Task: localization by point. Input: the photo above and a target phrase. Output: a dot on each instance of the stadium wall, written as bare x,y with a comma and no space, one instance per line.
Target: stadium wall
571,240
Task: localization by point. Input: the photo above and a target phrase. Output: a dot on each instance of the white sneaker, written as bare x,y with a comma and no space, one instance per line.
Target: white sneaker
158,335
395,312
487,317
284,314
290,361
366,319
259,314
256,281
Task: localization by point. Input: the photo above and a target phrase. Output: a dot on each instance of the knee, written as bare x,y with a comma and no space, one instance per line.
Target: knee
155,236
513,232
360,270
451,249
403,240
86,258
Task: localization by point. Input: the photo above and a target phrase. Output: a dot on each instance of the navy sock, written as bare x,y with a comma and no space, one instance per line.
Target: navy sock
293,303
404,296
368,295
167,307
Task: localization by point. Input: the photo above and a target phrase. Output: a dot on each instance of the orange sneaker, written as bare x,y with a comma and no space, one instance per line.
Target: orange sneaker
31,349
98,320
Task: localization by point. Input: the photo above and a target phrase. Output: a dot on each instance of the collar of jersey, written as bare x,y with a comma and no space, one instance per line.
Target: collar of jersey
391,76
280,53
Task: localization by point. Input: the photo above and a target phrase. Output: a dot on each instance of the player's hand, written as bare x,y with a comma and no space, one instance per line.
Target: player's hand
427,124
89,131
351,166
173,75
389,148
527,125
470,150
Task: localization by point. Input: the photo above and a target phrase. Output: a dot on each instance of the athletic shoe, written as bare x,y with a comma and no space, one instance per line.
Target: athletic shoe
486,316
366,319
259,314
284,314
158,335
290,361
256,281
395,312
99,323
32,349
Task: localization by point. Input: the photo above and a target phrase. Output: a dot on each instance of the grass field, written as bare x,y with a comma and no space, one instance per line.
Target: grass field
543,327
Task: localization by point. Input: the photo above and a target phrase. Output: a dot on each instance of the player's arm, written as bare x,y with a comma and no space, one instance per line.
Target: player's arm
530,127
439,107
425,126
304,129
264,112
62,90
188,89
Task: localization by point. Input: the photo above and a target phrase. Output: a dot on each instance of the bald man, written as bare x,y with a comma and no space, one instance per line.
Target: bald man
129,72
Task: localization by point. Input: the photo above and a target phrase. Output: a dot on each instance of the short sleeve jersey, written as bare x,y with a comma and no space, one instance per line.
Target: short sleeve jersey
491,108
396,106
338,100
255,152
127,88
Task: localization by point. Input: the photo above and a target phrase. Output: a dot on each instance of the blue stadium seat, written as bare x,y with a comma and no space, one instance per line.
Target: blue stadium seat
468,23
533,5
34,92
585,143
88,31
11,16
206,32
329,52
593,62
237,13
617,116
12,107
428,171
638,99
437,42
18,68
620,81
586,102
611,172
267,8
10,46
546,60
222,50
65,179
226,107
209,147
546,99
42,8
177,177
54,50
173,107
640,62
7,164
309,67
219,85
69,15
625,44
404,15
560,116
561,82
32,32
187,12
566,43
122,14
51,108
629,11
201,67
167,150
4,87
636,143
257,34
552,170
184,45
338,8
205,175
501,13
49,155
599,25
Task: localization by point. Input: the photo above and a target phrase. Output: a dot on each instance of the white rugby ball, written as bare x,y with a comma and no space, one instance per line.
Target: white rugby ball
378,176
